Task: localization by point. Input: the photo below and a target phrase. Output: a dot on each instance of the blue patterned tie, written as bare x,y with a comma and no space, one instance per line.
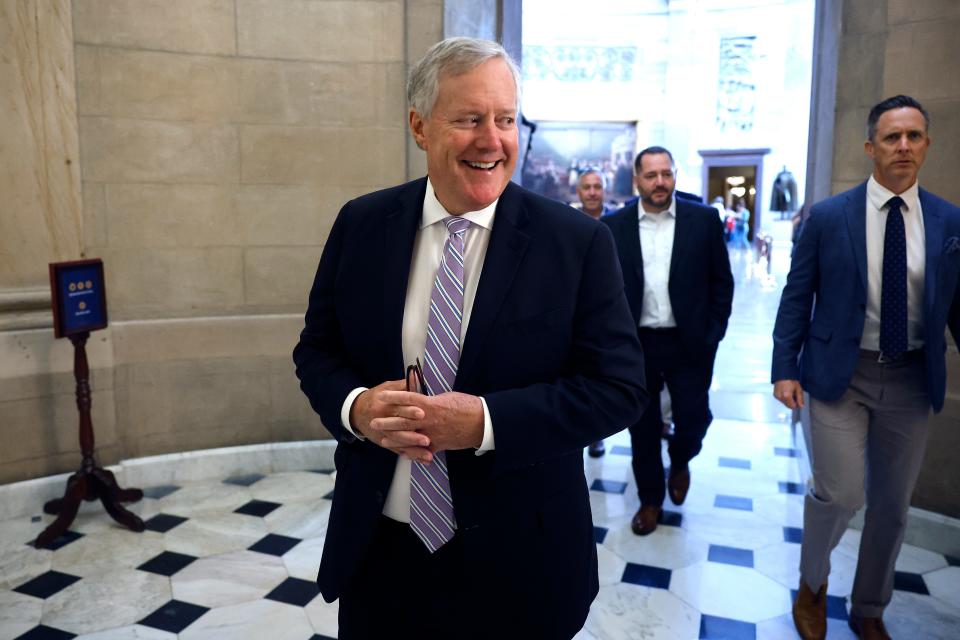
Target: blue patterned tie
893,290
431,502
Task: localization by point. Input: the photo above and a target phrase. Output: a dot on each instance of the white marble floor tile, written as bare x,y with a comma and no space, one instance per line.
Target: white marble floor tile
612,510
300,519
916,560
17,533
610,566
945,584
583,634
781,628
21,563
910,612
107,550
780,562
732,528
231,578
292,486
106,601
213,534
211,495
303,560
251,621
782,509
730,592
323,616
132,632
629,612
667,547
18,613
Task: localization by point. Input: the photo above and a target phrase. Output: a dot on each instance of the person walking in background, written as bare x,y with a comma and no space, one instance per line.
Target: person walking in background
872,286
678,281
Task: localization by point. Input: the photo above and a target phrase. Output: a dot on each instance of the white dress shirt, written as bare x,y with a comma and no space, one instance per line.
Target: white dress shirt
656,244
427,251
877,197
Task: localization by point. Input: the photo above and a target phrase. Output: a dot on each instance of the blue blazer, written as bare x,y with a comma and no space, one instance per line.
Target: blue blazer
701,283
816,339
551,347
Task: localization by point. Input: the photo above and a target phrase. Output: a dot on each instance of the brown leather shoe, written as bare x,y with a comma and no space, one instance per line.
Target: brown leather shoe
645,520
678,483
868,628
810,612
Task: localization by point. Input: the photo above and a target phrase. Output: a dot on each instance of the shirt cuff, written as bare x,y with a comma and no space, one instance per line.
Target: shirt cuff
345,411
487,444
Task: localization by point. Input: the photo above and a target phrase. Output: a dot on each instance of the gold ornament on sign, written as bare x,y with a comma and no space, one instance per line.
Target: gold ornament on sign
73,286
83,305
89,284
80,286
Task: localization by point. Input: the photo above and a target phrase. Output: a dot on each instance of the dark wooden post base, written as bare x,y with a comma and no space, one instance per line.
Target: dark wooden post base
91,482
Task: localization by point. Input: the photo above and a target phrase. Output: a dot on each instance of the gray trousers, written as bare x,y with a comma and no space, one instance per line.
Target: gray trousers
871,441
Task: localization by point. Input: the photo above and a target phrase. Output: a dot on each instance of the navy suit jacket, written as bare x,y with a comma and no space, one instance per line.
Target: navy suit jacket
701,283
552,349
816,339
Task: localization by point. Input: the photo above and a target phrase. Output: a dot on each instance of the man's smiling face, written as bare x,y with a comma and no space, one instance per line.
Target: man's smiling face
471,136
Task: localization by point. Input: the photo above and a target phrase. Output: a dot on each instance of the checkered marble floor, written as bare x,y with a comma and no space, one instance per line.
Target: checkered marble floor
235,559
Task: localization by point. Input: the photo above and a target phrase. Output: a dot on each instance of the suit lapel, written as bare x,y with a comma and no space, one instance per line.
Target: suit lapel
508,243
855,210
628,237
399,233
933,244
680,234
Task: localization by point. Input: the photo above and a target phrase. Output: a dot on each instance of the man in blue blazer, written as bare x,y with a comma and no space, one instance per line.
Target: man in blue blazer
678,281
872,286
465,513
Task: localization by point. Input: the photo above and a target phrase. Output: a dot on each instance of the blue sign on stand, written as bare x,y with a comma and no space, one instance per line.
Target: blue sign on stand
79,297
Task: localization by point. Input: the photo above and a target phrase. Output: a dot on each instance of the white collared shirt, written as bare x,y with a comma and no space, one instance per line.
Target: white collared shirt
877,197
656,244
427,251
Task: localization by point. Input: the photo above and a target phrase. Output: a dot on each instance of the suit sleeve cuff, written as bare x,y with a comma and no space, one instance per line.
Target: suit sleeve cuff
345,412
487,444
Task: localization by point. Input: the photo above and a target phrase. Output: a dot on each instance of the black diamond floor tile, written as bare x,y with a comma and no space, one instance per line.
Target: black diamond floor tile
599,534
47,584
733,502
275,545
62,541
325,472
793,488
912,582
163,522
670,518
329,495
244,481
786,452
175,616
733,463
793,534
730,555
608,486
716,628
953,561
294,591
166,563
258,508
646,576
160,491
317,636
620,450
43,632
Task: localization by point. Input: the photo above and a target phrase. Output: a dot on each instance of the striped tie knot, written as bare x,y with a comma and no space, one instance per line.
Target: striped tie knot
456,225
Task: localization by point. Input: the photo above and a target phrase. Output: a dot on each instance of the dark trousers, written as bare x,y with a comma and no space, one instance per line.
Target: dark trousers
687,377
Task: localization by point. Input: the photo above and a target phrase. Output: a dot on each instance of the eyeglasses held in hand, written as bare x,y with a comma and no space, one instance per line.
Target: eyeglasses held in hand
419,385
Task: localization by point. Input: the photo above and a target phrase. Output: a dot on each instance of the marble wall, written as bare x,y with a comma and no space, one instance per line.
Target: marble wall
202,149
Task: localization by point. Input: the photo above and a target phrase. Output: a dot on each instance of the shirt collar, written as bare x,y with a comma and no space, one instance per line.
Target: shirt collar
434,212
671,210
878,195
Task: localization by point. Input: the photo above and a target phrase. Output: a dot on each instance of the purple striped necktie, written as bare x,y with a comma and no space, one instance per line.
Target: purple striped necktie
431,502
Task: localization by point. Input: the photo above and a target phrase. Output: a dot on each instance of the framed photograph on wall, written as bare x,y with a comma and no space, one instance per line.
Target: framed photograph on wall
79,297
559,151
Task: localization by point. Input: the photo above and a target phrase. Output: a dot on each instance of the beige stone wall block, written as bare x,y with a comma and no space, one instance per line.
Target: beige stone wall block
942,166
424,27
899,11
864,16
170,216
197,26
179,282
94,216
280,275
168,86
286,215
88,80
321,30
289,155
121,150
861,67
291,409
373,94
288,92
373,157
850,162
39,173
51,464
923,60
205,338
35,352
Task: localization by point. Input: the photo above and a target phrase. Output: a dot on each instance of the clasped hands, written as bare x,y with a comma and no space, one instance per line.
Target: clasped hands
416,426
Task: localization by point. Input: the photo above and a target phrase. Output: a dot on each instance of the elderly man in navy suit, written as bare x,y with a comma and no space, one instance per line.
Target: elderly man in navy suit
677,277
873,284
463,511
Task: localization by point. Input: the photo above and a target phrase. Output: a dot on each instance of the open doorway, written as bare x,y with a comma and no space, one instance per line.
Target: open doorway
736,175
